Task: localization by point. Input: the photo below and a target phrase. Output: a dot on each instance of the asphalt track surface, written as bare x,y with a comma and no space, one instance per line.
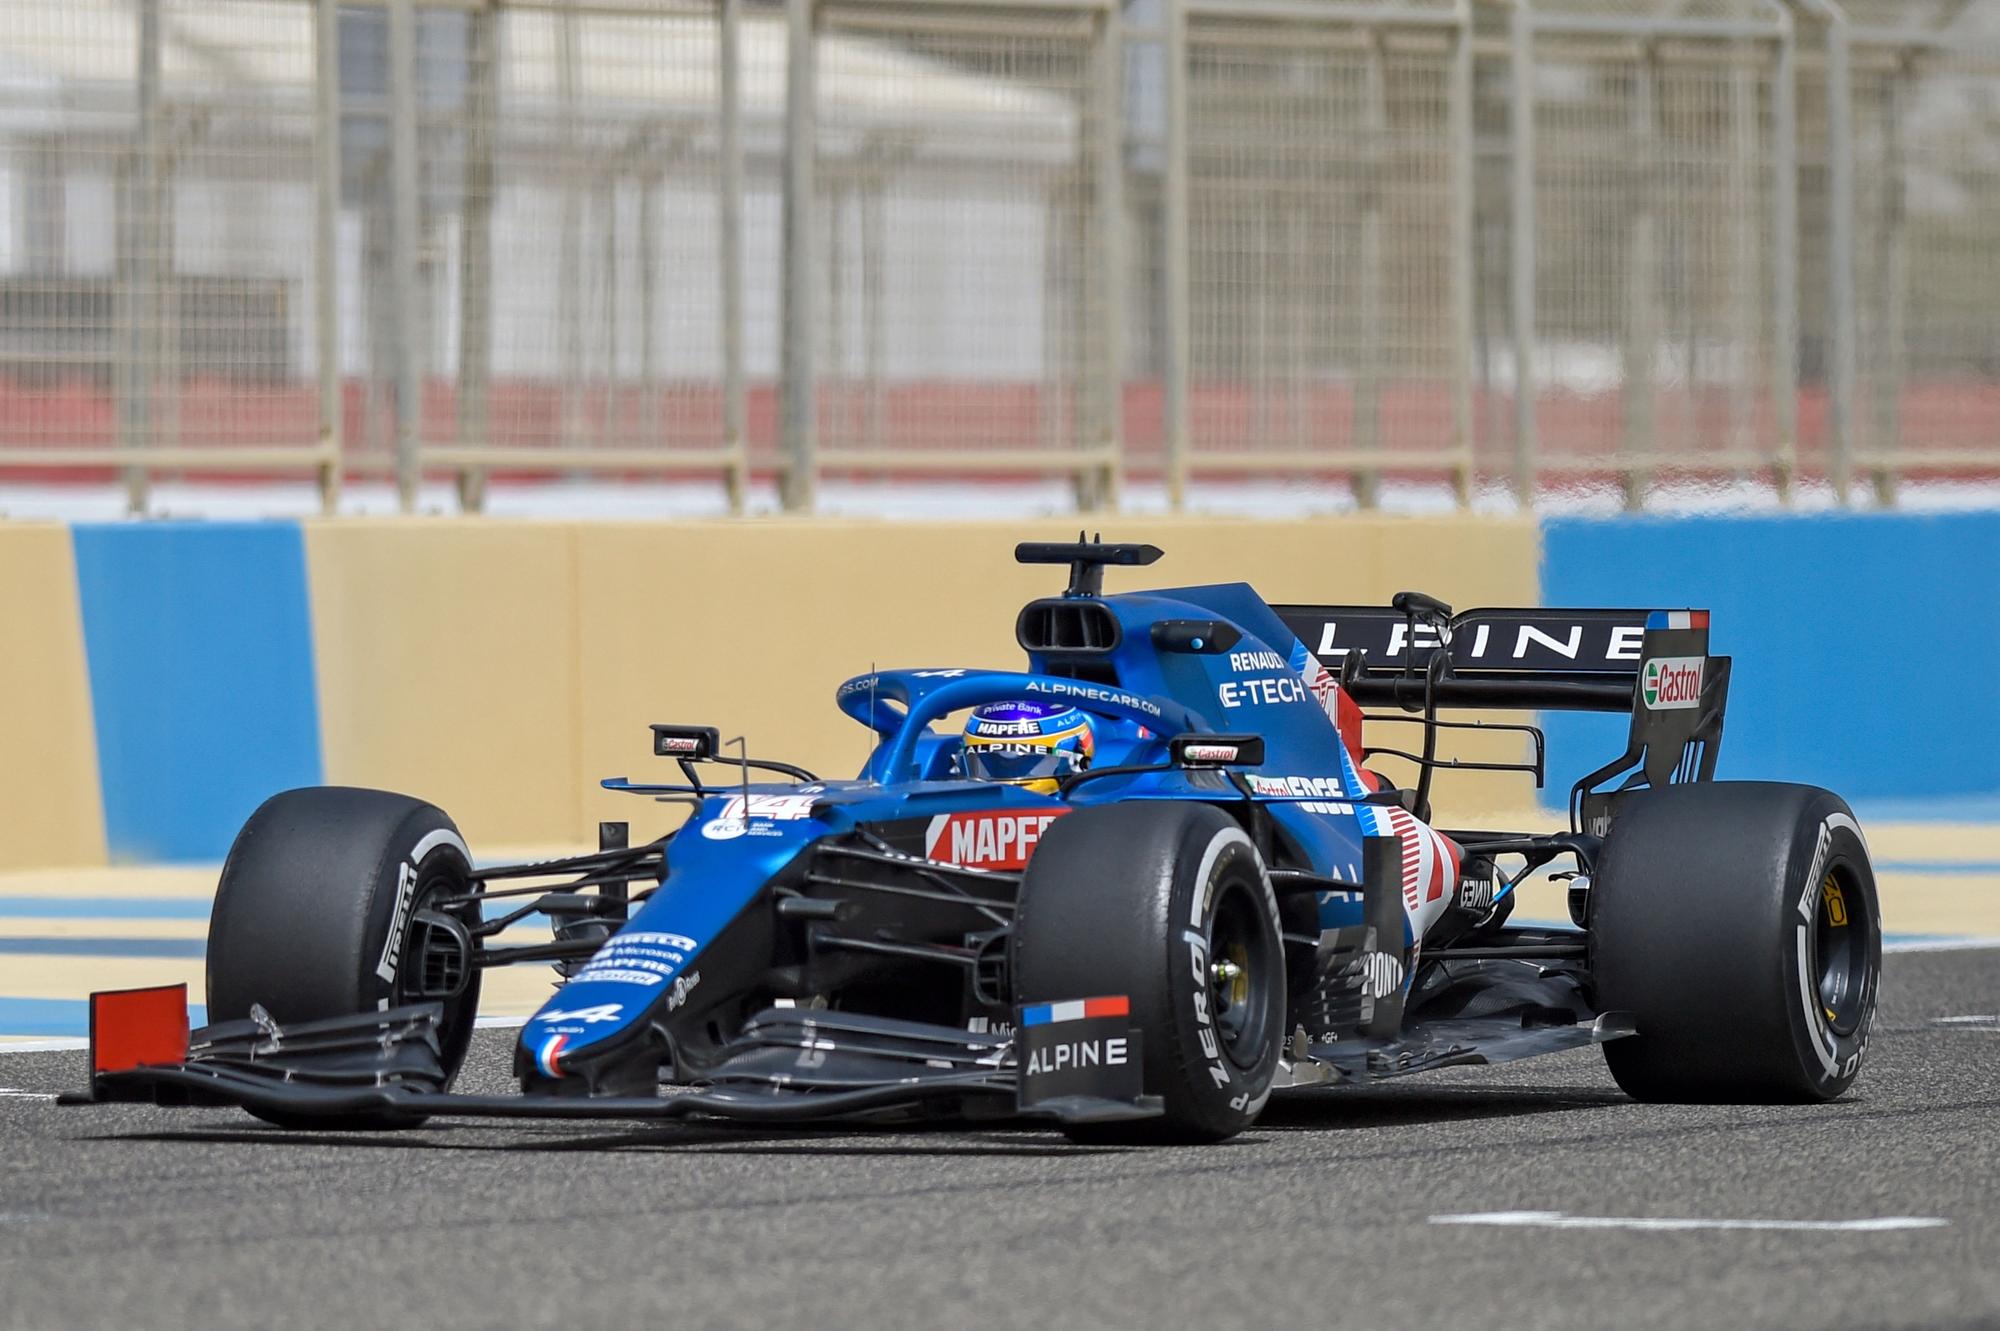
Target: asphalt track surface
1322,1215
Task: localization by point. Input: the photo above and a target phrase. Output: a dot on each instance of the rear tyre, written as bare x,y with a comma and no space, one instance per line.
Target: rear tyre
1737,923
312,917
1168,904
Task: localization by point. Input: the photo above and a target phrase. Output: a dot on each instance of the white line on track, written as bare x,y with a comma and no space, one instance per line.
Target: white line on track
9,1093
1558,1220
1939,944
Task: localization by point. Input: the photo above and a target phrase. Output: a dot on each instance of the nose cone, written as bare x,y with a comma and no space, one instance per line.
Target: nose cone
716,866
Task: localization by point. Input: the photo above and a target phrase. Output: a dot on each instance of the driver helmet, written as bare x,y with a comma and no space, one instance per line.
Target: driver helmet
1031,744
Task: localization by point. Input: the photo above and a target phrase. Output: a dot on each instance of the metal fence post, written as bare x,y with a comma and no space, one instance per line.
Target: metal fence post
871,206
800,271
326,243
403,243
1840,248
1369,356
570,279
1174,245
1744,304
1641,274
651,179
1463,187
144,266
1108,91
730,201
1521,131
475,257
1891,282
1785,255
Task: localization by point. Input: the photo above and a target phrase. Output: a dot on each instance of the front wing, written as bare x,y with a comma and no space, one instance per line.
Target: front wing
789,1065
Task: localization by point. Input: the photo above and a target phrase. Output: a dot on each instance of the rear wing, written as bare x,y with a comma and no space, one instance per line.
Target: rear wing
1561,660
1416,655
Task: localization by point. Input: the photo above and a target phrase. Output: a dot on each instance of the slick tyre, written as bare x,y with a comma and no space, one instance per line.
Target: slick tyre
1736,922
1168,904
312,917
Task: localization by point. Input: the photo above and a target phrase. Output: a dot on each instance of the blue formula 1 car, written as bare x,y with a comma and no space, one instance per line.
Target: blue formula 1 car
1142,884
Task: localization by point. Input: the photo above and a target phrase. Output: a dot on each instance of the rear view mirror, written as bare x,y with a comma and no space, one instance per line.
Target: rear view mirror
697,743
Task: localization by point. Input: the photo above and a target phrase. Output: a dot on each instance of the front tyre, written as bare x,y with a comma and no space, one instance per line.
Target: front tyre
1737,923
312,917
1167,903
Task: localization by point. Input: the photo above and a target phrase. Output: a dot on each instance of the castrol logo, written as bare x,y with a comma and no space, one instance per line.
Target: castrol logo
1671,681
1210,753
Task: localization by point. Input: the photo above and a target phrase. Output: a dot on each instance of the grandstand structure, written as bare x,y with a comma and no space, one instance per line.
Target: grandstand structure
1519,244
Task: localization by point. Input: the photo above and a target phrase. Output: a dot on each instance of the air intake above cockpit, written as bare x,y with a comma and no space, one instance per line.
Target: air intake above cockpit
1067,626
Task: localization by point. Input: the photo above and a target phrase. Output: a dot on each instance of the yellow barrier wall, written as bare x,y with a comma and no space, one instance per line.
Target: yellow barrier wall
447,668
50,812
501,668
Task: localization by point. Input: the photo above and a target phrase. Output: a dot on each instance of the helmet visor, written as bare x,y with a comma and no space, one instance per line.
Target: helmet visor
994,763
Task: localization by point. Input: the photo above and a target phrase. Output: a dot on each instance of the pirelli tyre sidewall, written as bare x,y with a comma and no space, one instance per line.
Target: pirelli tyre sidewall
1835,961
1145,900
1738,923
312,915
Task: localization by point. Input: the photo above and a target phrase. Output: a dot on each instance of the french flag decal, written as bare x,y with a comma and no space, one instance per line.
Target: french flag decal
1048,1014
1677,619
549,1059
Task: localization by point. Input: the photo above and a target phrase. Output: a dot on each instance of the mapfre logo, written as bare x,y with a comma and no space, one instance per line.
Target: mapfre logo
987,840
1671,681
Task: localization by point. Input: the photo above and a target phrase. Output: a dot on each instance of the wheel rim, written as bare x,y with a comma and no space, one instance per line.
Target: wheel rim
440,875
1840,950
1242,966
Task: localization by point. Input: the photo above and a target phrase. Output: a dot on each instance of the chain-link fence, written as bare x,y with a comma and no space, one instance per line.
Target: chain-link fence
157,292
1538,243
1926,240
1323,227
561,304
1656,253
960,307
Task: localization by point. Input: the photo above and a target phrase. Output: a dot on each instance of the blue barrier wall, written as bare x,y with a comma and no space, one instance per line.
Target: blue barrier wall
201,678
1867,647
